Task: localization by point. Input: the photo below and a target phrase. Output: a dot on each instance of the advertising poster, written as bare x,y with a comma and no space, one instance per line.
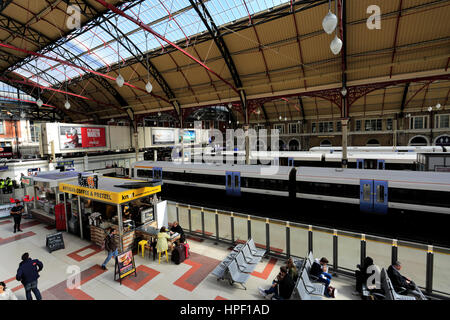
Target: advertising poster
76,137
125,264
161,136
189,136
6,152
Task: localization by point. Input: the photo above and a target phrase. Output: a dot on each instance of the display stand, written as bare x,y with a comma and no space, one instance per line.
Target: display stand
124,266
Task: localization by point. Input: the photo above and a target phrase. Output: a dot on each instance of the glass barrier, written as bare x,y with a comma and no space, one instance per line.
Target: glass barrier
414,262
441,263
224,226
349,250
184,217
210,223
259,232
299,240
380,250
323,245
277,237
413,256
196,220
240,228
171,212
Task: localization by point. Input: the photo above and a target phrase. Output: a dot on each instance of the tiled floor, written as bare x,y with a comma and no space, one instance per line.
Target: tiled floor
190,280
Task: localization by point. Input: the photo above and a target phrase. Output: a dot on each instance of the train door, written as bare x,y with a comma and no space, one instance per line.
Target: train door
381,165
290,162
366,195
359,163
229,182
380,198
157,173
373,196
233,183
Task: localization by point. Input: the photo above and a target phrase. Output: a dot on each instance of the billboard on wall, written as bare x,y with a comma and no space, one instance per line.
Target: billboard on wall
163,136
188,136
79,137
6,152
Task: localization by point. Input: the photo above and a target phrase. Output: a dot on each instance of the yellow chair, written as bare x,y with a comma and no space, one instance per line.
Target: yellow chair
159,257
142,245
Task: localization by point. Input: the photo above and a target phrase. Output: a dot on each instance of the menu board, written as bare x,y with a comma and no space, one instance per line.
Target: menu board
124,265
163,136
55,242
79,137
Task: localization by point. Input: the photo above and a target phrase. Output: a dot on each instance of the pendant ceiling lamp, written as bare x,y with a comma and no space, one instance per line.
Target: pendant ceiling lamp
336,44
330,21
148,86
67,105
119,80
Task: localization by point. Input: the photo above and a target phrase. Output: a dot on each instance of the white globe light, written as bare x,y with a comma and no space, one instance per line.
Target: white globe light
285,118
120,80
229,121
159,113
438,106
279,117
430,109
22,114
237,122
148,87
336,45
67,105
329,23
39,102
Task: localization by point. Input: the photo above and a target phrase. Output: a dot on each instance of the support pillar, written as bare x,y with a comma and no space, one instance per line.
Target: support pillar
344,142
394,134
119,216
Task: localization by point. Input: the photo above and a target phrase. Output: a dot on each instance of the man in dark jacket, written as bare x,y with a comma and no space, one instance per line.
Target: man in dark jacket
28,273
16,213
110,247
399,281
282,286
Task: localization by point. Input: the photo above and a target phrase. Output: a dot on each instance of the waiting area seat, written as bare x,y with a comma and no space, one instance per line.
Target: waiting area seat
388,288
238,265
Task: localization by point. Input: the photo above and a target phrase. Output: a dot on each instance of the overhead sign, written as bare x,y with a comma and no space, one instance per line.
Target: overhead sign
79,137
109,196
66,163
6,152
163,136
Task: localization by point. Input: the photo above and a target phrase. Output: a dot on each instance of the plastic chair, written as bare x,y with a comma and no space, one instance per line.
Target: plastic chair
12,200
159,256
142,244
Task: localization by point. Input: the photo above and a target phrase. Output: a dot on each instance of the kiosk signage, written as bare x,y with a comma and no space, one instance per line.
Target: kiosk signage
124,266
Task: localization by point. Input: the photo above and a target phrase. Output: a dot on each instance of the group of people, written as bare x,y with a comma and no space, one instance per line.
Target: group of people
161,243
6,185
283,286
28,274
401,284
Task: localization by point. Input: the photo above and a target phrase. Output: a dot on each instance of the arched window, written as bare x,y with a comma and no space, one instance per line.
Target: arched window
418,141
443,140
325,143
294,145
373,142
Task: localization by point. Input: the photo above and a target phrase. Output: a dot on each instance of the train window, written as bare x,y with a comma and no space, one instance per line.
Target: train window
236,181
145,173
366,192
380,193
229,181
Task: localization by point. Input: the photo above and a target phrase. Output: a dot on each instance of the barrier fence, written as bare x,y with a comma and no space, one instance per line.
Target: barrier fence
426,265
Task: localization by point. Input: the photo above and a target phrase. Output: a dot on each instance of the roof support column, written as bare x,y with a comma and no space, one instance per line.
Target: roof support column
345,105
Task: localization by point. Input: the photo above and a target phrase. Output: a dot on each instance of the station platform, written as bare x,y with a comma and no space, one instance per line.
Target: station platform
190,280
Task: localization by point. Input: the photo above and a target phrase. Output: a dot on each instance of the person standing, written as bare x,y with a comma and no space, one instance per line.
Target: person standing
16,213
28,274
110,247
6,294
2,186
8,185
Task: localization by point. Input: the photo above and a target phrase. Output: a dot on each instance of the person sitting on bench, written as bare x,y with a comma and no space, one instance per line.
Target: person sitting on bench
319,269
399,282
361,274
281,287
292,269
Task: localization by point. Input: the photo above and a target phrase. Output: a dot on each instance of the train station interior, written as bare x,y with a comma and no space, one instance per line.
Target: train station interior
236,150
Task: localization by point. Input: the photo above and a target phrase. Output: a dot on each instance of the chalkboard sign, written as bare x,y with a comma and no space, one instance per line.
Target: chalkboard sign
124,266
55,242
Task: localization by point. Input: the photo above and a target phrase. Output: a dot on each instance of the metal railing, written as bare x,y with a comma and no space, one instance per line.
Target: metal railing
427,265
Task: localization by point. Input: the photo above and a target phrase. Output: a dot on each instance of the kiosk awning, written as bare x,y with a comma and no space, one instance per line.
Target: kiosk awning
109,190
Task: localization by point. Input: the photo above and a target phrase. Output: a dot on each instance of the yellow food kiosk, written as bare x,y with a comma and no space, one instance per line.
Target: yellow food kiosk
95,203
